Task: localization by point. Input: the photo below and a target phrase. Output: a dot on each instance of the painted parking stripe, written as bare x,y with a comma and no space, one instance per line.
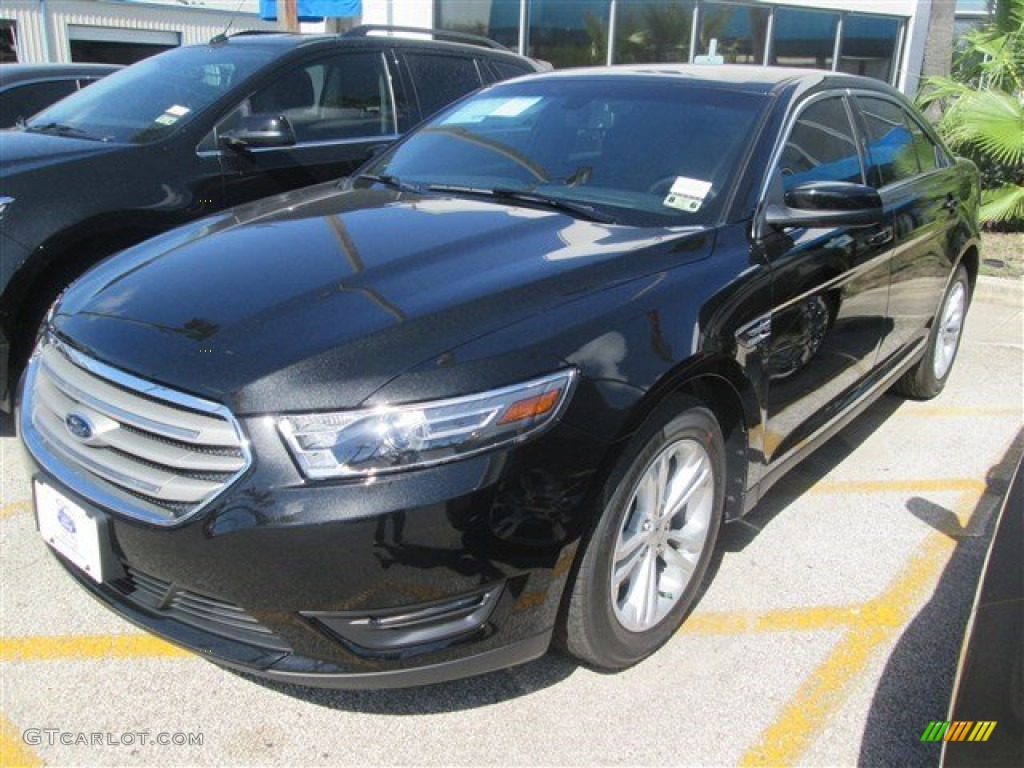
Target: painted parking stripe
13,751
954,411
15,507
49,647
827,688
920,485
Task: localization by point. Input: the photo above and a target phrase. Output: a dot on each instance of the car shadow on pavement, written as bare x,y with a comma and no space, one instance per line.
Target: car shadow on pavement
455,696
7,428
917,682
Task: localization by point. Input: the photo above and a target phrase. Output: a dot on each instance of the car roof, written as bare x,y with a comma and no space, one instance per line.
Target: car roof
19,73
742,77
404,38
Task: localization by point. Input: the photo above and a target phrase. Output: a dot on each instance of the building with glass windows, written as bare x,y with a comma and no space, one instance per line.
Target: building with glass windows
884,39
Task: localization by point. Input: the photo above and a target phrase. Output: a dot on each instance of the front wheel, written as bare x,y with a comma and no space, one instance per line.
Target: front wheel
644,563
928,377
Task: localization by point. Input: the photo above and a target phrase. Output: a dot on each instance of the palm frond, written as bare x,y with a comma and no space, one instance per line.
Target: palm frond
993,122
1002,205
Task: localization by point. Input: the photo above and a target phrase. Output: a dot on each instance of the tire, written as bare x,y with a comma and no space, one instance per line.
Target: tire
616,615
929,375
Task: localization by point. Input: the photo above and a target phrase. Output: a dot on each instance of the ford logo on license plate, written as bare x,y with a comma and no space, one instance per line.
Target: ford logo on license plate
66,521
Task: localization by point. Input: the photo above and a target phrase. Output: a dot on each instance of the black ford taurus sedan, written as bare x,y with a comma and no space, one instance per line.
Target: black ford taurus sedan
506,384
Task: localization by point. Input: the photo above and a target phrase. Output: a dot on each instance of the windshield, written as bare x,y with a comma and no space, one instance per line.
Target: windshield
148,100
644,153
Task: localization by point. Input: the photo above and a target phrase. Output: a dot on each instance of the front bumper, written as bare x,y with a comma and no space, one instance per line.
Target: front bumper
412,579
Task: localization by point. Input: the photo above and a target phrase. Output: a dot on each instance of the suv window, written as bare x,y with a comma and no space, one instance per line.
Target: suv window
345,96
821,146
151,99
892,145
505,71
441,79
22,101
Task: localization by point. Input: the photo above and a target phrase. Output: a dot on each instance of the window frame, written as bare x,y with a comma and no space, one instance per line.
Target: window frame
210,143
771,188
943,157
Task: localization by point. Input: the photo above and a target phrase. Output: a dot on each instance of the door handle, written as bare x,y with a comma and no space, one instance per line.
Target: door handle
881,237
952,204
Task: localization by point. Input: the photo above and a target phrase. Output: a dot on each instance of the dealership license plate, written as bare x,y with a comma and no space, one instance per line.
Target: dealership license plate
70,529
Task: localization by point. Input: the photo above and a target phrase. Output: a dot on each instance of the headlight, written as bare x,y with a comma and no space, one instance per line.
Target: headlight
388,439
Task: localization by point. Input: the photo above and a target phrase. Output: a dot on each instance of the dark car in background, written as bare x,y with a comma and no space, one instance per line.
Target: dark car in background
504,385
28,88
200,128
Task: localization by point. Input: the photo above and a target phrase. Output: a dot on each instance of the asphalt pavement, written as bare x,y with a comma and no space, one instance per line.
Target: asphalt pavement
829,635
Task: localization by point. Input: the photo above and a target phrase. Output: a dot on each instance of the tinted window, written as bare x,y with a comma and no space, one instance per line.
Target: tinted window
804,38
646,154
149,100
929,155
569,33
891,146
870,45
741,32
22,101
821,146
346,96
506,71
496,19
653,30
441,79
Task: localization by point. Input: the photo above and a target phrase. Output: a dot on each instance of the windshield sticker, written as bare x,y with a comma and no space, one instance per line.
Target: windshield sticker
480,109
178,111
687,194
167,119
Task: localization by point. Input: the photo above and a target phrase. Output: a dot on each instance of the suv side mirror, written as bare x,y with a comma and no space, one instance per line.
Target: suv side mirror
258,131
827,204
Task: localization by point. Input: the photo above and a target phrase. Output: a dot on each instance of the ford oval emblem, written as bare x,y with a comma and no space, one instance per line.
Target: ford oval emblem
65,520
79,426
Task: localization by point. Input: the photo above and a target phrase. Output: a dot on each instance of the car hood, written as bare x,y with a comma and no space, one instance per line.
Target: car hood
24,151
328,294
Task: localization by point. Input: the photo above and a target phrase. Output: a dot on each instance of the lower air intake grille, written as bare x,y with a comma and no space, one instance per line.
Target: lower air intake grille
206,613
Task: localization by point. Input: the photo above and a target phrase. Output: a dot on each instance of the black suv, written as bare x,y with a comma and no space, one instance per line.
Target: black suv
200,128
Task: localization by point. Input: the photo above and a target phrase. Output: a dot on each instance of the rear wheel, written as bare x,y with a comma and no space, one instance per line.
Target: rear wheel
645,561
928,377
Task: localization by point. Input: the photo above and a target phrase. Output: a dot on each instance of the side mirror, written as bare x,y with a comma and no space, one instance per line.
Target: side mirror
255,131
827,204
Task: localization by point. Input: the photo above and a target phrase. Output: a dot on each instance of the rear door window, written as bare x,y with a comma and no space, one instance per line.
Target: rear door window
440,79
893,148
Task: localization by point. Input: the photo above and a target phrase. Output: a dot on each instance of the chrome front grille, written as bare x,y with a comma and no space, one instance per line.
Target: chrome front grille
144,450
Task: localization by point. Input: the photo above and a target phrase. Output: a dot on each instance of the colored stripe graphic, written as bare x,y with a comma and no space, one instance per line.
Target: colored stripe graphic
958,730
935,731
982,730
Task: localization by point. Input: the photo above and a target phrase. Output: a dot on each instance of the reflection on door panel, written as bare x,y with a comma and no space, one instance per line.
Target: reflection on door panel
916,193
830,289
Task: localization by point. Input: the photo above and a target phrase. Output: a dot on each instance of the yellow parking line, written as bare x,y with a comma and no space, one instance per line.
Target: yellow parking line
50,647
931,411
15,507
825,690
12,751
781,620
921,485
